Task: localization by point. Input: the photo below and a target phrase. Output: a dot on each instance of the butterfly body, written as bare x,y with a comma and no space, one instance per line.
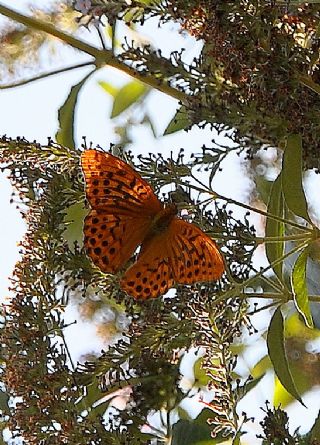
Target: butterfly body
126,214
162,220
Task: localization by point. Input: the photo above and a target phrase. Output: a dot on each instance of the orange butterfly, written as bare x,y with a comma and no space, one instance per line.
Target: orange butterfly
125,213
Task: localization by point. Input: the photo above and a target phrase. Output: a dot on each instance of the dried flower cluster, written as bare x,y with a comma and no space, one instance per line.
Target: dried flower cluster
258,72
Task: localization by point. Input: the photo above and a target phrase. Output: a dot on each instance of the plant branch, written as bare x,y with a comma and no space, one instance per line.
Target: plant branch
44,75
236,290
102,56
275,239
205,189
270,295
264,239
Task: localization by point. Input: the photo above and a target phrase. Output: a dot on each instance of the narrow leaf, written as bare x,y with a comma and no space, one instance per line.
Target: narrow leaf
248,386
200,377
236,439
127,96
261,367
299,287
180,121
274,250
278,356
148,120
292,177
308,82
4,398
65,134
108,88
73,221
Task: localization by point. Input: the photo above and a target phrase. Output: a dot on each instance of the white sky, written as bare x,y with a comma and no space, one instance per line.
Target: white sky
31,111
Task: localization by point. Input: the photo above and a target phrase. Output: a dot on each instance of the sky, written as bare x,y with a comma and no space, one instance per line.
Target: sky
31,111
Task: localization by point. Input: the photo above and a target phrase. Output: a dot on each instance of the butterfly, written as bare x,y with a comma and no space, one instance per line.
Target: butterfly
126,213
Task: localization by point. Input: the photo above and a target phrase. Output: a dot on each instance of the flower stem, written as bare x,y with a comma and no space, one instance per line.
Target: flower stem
44,75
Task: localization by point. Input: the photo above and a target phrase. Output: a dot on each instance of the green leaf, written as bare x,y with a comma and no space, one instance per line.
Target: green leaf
127,96
65,134
90,401
4,398
147,120
183,414
236,439
150,2
261,367
296,328
308,82
298,371
292,177
200,377
180,121
73,220
274,228
108,88
263,187
186,432
197,431
278,356
299,287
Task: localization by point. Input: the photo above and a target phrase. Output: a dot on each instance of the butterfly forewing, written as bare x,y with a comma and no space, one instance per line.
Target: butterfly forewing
113,186
123,207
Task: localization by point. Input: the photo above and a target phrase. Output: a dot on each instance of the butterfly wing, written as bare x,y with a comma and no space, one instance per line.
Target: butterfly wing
194,255
110,239
151,275
182,254
115,187
123,207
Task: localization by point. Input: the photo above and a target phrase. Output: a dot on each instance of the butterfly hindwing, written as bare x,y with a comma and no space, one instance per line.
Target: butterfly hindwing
146,280
193,254
110,240
181,254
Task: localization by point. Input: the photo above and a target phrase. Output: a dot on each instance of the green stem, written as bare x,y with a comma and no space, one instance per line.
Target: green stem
261,239
275,239
263,308
44,75
263,295
102,56
278,261
236,290
270,295
215,195
261,212
276,285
